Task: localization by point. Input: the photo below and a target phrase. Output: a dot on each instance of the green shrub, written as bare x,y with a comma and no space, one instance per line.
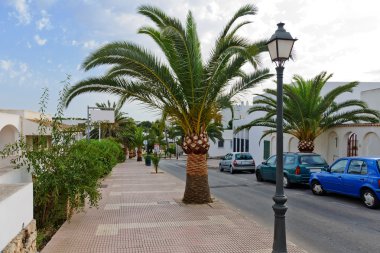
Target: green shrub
65,174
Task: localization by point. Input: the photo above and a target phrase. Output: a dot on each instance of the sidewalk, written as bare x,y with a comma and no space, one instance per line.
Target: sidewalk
142,212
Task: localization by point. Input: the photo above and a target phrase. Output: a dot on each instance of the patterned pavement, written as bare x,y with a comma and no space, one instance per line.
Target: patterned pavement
142,212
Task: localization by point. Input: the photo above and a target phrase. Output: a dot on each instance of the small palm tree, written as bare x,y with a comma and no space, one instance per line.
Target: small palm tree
183,86
307,113
139,142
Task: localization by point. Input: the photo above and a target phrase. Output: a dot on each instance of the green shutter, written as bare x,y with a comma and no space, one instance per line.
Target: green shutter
266,149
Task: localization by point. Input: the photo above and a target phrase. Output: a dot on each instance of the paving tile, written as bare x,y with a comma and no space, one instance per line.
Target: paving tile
141,212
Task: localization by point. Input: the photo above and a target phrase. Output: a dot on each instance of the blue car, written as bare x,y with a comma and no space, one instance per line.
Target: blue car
354,176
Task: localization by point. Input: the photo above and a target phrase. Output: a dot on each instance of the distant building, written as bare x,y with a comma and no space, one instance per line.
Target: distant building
345,140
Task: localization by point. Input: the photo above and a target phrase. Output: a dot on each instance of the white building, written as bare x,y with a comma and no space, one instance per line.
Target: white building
221,148
351,139
16,187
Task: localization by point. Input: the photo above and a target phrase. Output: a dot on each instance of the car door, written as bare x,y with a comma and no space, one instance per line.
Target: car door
269,168
356,176
227,161
332,181
223,161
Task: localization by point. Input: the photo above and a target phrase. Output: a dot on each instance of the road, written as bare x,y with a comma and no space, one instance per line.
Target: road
319,224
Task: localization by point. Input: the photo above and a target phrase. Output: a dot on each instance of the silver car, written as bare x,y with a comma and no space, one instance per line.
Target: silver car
237,161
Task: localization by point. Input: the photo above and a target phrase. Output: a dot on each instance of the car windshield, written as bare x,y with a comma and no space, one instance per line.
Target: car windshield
243,156
312,160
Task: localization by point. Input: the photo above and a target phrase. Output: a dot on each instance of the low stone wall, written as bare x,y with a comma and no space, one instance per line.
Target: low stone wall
25,241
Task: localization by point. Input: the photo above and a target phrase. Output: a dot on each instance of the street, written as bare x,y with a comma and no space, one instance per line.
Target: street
319,224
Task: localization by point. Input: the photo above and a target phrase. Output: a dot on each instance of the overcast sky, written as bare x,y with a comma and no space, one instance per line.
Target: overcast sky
41,41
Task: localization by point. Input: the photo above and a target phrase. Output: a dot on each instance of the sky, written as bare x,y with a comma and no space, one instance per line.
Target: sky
42,42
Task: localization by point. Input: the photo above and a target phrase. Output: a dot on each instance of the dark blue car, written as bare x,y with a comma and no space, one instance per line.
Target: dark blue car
354,176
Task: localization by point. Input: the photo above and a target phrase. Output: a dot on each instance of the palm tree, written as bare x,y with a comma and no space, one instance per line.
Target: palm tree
184,86
111,129
307,113
139,142
126,136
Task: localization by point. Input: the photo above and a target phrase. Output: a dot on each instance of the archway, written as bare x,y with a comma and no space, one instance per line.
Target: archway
293,144
352,145
371,144
8,135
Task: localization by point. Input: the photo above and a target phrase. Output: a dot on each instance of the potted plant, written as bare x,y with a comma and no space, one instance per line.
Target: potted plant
148,159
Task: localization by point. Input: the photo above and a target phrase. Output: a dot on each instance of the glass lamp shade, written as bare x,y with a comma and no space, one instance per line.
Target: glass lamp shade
280,49
280,44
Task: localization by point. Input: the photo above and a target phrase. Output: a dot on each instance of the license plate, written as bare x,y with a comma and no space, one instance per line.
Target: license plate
315,170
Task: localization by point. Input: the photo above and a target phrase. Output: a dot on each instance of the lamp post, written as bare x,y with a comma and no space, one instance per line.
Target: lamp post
280,47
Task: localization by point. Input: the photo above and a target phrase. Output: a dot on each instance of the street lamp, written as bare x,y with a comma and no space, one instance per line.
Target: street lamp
280,47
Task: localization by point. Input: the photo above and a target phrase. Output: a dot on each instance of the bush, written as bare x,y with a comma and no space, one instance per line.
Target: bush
65,174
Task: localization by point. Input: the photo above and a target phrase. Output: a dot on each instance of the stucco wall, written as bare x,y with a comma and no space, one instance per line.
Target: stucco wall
25,241
216,151
14,217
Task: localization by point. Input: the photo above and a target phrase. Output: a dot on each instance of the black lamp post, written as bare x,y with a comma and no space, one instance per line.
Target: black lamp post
280,47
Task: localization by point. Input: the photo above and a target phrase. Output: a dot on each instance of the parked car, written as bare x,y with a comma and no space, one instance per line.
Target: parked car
354,176
237,161
297,168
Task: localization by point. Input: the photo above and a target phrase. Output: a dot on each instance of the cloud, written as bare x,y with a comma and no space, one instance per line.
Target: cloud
44,22
40,41
5,65
87,44
91,44
22,11
12,70
373,72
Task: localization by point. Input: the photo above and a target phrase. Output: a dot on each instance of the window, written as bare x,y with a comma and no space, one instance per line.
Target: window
289,159
378,165
243,156
339,166
357,167
311,160
272,160
266,149
221,144
247,145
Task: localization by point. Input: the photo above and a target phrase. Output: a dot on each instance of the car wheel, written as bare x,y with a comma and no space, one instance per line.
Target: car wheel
286,182
369,199
316,188
259,178
232,170
221,168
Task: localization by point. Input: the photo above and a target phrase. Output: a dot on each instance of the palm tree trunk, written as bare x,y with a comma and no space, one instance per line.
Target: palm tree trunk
197,190
139,156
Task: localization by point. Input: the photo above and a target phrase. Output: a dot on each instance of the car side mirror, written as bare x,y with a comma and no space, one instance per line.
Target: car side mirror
328,169
265,163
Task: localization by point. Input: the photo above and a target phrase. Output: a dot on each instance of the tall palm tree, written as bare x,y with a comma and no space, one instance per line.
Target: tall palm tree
183,85
307,113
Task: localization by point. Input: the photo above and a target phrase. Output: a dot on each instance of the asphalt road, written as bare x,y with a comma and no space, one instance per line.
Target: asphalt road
318,224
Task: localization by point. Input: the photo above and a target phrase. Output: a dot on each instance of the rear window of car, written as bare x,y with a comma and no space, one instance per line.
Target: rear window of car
311,160
243,156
